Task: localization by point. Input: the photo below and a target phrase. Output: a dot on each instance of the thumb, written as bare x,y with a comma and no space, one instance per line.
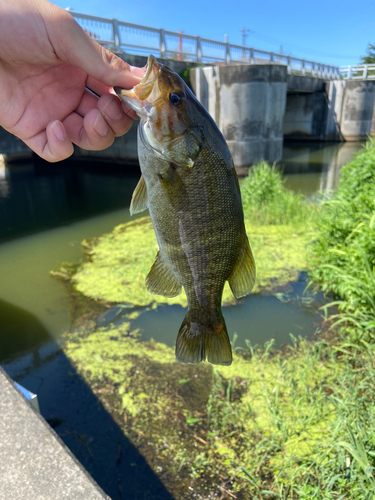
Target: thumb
74,46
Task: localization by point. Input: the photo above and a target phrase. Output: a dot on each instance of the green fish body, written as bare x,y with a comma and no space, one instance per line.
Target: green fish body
190,186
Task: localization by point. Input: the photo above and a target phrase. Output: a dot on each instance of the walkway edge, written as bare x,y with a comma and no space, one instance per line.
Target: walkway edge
34,462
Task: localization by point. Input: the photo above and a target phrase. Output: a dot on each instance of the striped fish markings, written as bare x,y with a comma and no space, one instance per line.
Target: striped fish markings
191,189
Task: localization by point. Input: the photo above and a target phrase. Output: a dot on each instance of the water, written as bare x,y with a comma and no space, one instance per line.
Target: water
45,213
310,167
47,210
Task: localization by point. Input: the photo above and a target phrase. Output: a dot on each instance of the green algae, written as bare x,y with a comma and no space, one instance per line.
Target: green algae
271,415
117,263
273,424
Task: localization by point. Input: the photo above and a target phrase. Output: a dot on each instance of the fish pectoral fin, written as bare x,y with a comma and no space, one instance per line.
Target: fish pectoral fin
139,198
161,281
242,279
174,188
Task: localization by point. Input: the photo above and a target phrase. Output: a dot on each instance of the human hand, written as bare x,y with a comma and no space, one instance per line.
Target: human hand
46,61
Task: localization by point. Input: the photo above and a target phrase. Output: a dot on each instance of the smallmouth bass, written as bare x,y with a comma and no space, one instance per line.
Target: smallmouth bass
190,186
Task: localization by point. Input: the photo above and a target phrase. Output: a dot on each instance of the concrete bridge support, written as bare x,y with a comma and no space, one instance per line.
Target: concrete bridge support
247,103
305,116
351,114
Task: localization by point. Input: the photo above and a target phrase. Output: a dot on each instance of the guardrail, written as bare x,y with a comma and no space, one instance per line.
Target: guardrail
138,39
359,72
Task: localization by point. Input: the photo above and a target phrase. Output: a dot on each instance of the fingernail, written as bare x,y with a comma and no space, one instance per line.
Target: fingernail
138,72
58,130
100,125
112,110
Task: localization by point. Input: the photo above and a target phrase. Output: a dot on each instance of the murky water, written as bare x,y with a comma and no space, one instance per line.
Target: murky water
58,206
315,166
45,213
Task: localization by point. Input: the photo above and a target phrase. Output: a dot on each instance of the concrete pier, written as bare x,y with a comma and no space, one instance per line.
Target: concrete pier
305,116
256,106
351,115
34,462
247,103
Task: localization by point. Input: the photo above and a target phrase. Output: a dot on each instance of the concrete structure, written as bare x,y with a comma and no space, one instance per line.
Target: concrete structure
34,463
351,115
12,147
305,116
247,103
256,106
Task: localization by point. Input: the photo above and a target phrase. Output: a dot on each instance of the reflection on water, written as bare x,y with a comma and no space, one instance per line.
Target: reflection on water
315,166
25,264
36,195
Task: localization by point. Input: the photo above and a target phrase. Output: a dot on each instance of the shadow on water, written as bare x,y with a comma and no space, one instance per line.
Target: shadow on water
77,416
20,331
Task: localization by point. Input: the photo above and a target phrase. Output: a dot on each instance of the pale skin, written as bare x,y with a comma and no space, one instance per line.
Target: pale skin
46,61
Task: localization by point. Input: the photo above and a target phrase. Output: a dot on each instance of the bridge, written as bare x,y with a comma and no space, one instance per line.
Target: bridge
256,97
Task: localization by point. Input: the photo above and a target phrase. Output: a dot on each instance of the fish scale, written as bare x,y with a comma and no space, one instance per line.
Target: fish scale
190,186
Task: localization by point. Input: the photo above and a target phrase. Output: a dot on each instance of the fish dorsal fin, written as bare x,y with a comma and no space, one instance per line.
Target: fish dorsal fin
161,281
139,198
242,279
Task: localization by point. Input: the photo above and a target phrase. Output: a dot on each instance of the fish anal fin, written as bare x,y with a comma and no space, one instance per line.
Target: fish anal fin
139,198
161,281
242,279
198,341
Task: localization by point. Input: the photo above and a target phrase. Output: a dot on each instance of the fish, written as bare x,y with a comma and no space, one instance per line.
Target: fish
190,187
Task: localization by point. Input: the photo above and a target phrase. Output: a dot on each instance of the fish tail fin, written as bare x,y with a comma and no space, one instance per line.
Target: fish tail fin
198,341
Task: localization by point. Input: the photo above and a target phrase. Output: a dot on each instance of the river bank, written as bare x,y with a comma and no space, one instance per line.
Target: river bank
90,416
294,422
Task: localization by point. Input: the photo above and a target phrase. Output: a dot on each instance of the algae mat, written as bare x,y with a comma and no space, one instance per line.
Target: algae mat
207,430
196,425
117,263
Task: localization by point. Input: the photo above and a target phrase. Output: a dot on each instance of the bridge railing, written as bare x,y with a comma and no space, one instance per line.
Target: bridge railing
359,72
144,40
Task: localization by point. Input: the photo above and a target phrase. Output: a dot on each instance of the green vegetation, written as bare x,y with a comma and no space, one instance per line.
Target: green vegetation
117,264
343,257
266,201
292,424
297,424
278,224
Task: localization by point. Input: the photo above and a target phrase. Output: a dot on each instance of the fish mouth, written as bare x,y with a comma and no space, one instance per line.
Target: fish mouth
137,96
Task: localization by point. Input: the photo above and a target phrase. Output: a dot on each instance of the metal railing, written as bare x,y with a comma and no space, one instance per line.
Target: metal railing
359,72
142,40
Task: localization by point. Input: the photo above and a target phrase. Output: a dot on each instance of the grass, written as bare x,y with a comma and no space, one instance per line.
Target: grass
266,201
343,256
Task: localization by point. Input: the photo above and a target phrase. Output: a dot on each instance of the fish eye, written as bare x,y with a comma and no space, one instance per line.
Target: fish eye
175,98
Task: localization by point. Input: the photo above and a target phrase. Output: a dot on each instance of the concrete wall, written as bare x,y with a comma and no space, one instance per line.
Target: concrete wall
11,146
247,103
351,110
305,116
298,83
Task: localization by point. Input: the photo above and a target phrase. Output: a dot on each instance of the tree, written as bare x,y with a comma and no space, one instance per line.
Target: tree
370,58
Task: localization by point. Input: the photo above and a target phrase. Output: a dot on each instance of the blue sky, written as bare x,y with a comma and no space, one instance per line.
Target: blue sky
334,32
